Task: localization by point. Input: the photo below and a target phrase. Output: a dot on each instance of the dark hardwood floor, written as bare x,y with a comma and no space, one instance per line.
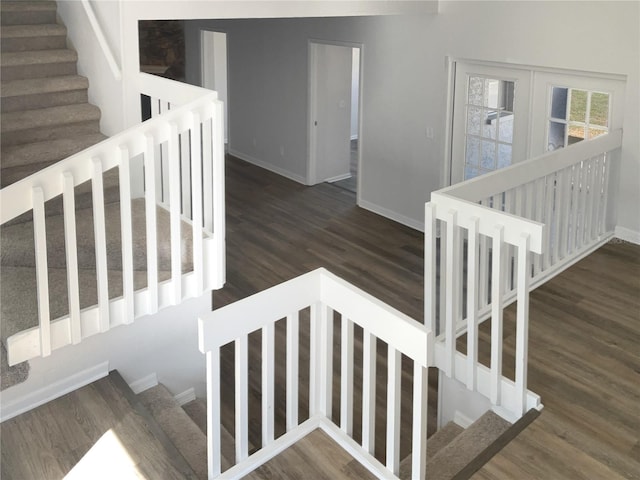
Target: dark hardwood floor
585,324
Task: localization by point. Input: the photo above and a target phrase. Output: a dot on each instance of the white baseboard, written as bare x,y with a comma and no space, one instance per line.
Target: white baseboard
627,235
53,391
185,397
338,178
268,166
396,217
144,383
462,420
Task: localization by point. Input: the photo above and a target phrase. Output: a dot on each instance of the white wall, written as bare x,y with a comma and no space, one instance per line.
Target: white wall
405,82
105,90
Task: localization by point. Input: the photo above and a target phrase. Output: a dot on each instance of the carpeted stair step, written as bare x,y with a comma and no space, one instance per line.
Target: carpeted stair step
38,64
17,247
49,123
35,93
27,13
197,411
20,38
181,430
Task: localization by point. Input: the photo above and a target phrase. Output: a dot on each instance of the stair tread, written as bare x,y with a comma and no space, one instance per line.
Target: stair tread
9,6
49,117
39,152
31,86
33,30
38,57
181,430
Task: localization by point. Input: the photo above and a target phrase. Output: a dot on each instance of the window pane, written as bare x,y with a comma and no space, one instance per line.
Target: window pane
504,155
508,95
599,114
490,119
488,159
491,87
474,118
470,172
578,108
506,128
559,102
476,85
472,153
556,135
576,134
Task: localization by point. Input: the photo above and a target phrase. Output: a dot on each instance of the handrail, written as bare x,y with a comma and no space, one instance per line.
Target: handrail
102,41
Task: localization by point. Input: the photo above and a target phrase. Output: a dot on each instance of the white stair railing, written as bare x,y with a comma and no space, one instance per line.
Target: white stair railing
500,236
321,294
191,172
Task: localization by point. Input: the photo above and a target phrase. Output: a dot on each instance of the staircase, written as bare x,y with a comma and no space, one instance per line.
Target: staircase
46,117
165,440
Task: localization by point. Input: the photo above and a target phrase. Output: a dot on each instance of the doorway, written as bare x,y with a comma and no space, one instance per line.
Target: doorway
334,114
214,69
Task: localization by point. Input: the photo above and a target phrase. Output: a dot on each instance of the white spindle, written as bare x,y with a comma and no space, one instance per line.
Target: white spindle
185,168
452,293
100,235
368,392
605,193
161,173
151,224
548,219
472,303
174,217
268,382
597,197
539,203
442,281
127,236
325,359
590,200
582,204
42,274
557,216
419,421
71,249
293,329
522,323
574,216
214,419
346,377
207,174
496,315
430,260
196,204
242,398
218,194
483,286
565,201
394,375
314,360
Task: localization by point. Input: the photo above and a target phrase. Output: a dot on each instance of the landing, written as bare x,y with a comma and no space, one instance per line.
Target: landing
315,456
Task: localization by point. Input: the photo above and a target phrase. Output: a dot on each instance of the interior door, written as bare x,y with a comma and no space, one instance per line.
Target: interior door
490,119
330,94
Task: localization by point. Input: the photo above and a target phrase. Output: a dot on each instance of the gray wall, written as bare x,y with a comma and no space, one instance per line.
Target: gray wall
405,82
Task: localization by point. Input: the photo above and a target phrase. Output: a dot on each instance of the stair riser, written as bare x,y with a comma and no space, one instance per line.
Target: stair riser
28,17
44,100
40,70
22,155
42,134
34,43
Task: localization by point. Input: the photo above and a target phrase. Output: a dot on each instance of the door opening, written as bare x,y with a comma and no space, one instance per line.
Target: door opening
334,147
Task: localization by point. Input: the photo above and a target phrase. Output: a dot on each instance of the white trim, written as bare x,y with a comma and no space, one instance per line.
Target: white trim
338,178
461,419
53,391
354,137
627,235
267,166
185,397
144,383
390,214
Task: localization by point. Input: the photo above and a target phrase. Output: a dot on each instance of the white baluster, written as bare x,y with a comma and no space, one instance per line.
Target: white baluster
207,175
196,204
602,224
71,249
591,193
419,421
214,441
452,293
242,398
430,265
293,332
268,380
99,229
472,303
174,217
497,282
185,168
126,230
368,392
394,375
218,194
325,360
522,324
151,224
42,273
346,377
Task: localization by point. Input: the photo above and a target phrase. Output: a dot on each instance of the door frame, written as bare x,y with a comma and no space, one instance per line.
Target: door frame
311,111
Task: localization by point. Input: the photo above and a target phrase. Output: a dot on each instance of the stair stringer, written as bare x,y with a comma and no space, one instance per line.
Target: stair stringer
165,343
